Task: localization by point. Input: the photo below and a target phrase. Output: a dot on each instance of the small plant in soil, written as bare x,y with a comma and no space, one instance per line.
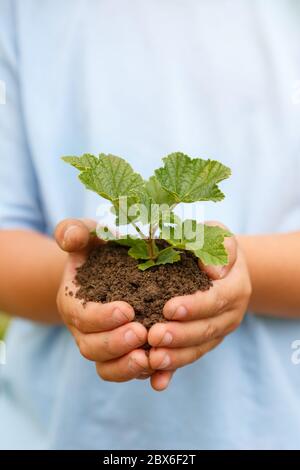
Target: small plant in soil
161,260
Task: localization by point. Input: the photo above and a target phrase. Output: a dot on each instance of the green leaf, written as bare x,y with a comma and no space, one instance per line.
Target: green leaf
190,180
157,194
111,178
85,162
165,256
138,247
126,209
181,179
168,255
148,264
205,241
153,200
169,223
128,241
213,251
139,251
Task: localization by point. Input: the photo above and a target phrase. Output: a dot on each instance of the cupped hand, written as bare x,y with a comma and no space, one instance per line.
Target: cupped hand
199,322
104,333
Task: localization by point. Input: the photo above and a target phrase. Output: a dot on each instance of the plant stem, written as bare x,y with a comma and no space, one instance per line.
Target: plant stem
151,243
151,248
155,227
138,230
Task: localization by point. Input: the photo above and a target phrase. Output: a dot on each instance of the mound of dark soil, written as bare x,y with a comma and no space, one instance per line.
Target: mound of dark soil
109,274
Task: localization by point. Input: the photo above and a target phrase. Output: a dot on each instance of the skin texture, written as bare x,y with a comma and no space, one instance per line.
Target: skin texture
29,259
106,334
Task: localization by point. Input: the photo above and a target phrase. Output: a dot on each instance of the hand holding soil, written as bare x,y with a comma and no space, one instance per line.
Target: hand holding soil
108,335
104,333
163,274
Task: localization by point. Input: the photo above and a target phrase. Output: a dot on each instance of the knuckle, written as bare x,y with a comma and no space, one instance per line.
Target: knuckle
210,331
108,345
136,364
197,353
102,372
76,319
133,366
221,303
84,347
105,374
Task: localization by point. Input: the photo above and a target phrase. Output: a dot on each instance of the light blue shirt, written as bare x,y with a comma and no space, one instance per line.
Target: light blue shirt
142,78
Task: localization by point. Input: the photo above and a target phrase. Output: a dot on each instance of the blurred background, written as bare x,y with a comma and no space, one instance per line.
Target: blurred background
4,321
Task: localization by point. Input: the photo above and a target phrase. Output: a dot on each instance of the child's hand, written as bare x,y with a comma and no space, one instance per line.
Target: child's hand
104,333
200,321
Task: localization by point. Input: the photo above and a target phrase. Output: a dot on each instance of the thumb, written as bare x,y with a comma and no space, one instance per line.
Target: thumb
73,235
218,271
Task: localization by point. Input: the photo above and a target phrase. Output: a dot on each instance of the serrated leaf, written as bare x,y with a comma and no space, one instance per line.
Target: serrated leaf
112,178
153,200
157,194
205,241
213,251
85,162
181,179
191,180
126,209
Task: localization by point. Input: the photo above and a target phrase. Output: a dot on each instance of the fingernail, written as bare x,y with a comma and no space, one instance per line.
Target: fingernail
165,362
120,317
67,233
167,339
180,313
131,338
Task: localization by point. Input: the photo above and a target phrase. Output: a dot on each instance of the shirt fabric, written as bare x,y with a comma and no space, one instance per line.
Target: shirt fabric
140,79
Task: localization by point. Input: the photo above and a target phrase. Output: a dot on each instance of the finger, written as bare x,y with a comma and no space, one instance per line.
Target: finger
73,235
144,376
128,367
185,334
200,304
101,347
170,359
94,317
160,380
230,243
